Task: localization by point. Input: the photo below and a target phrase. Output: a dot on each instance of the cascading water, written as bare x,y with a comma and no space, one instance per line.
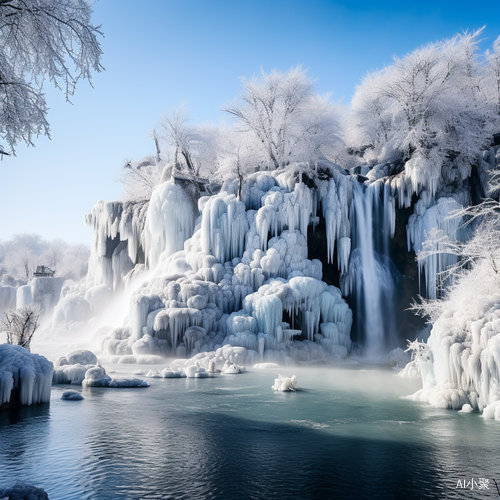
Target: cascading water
373,223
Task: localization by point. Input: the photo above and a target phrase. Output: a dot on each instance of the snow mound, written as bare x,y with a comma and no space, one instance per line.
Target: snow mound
466,408
70,374
285,384
196,371
96,377
25,378
72,368
171,373
81,357
72,396
230,368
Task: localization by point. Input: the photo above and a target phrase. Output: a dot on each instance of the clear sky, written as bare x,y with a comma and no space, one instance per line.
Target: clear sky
158,53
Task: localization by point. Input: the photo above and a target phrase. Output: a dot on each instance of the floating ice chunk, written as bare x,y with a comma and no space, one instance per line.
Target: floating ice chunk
232,369
25,378
96,377
195,371
285,384
153,374
170,373
72,396
466,408
23,491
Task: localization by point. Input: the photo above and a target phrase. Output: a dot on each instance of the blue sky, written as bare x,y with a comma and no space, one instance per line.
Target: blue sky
158,53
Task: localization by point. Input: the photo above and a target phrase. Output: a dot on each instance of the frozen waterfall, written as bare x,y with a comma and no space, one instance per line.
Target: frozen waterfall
373,213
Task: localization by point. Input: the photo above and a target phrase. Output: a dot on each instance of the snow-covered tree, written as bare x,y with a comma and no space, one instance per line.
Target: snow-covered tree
493,74
20,256
195,147
427,111
288,120
238,157
139,178
42,40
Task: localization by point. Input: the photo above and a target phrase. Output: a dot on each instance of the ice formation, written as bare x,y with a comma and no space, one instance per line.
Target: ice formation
237,275
285,384
97,377
72,368
459,364
22,491
201,273
72,396
25,378
437,216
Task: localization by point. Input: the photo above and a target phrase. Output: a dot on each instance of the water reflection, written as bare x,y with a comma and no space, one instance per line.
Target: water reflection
342,436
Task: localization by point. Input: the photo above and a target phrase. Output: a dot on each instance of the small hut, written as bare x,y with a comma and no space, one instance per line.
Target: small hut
43,272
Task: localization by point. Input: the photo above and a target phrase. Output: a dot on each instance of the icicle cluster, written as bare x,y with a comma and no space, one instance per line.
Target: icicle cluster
117,242
243,279
460,363
429,216
25,378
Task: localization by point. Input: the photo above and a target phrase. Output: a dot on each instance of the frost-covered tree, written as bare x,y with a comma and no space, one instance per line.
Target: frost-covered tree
42,40
20,255
194,147
493,74
427,111
237,157
20,325
288,120
139,178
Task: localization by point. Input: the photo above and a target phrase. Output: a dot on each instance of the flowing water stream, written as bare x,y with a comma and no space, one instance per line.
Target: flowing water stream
370,266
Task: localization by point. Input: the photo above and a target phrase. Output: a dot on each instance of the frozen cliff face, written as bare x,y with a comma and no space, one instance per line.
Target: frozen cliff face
25,378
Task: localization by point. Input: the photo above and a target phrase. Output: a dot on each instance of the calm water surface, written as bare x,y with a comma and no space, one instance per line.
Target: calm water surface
345,434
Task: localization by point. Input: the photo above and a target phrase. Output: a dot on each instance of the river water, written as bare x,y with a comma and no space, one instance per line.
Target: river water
345,434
